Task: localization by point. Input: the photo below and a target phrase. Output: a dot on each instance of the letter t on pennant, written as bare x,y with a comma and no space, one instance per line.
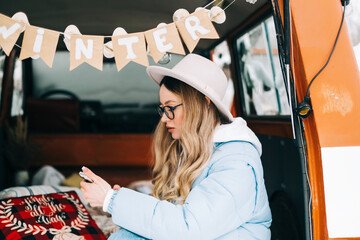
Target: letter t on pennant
130,47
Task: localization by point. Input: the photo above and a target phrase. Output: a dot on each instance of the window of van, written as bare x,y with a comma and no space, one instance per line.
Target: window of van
259,71
353,24
17,96
109,101
2,63
221,56
18,93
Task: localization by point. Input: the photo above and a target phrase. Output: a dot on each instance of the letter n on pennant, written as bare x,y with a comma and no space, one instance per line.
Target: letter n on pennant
196,26
85,48
9,33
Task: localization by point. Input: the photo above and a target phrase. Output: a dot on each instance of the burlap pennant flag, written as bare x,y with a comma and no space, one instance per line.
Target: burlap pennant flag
39,41
85,48
129,47
9,33
164,39
196,26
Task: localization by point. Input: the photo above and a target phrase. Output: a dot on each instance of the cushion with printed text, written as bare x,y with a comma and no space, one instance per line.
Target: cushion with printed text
55,216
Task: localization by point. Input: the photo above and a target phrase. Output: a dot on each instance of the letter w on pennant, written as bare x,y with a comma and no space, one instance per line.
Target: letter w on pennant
9,33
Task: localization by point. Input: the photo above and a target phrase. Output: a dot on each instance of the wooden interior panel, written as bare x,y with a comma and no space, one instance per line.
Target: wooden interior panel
92,149
271,127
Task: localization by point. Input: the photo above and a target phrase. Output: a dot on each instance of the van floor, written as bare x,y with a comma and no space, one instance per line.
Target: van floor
113,175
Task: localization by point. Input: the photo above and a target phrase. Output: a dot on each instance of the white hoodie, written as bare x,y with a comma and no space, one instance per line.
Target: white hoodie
236,131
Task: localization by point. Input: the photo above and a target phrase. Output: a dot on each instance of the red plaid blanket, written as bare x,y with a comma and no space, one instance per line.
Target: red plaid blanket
50,216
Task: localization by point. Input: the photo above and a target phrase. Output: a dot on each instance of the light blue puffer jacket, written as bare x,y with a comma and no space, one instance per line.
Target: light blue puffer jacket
227,201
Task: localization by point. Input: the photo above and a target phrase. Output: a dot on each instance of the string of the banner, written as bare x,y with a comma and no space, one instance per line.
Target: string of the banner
212,3
223,9
228,5
219,4
61,33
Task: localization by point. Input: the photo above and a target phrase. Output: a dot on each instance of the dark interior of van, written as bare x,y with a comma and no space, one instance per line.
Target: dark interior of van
104,120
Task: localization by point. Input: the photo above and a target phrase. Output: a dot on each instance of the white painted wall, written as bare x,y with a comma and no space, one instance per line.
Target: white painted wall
341,169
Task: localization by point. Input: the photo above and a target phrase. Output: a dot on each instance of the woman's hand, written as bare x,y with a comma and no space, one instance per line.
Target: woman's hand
94,192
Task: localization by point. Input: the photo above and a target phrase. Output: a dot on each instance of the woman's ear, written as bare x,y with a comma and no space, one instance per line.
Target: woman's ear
208,101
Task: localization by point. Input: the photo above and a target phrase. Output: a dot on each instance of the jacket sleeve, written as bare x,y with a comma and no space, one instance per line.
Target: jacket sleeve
223,201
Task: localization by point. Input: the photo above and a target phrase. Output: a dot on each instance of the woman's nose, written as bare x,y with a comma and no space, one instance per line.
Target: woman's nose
164,118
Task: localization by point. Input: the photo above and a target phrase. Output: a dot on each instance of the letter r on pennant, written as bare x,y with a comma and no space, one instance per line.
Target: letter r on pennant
196,27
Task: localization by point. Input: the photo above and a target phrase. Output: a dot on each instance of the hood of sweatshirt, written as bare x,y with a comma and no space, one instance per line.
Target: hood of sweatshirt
236,131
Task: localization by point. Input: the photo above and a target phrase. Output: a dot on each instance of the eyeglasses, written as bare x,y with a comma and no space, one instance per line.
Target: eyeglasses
169,111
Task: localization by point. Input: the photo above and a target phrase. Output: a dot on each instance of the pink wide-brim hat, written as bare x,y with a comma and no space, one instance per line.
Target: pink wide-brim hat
201,74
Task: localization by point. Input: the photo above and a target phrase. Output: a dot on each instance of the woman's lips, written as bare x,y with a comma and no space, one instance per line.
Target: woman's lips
170,129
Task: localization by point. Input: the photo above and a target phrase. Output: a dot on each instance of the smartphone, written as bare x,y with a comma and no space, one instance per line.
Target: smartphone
85,177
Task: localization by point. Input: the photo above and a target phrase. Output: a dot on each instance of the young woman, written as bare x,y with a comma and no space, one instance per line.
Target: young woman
208,177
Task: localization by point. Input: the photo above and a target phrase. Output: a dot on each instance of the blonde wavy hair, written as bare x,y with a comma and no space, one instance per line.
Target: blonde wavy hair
178,162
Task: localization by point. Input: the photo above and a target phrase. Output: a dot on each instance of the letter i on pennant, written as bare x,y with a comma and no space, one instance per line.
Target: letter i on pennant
39,42
196,26
85,48
9,33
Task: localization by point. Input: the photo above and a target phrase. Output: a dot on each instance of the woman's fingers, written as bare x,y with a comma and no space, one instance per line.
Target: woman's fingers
83,184
116,187
94,192
89,173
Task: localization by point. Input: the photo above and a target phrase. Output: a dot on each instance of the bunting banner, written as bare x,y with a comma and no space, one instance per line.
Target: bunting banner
125,47
164,39
130,47
39,42
9,33
197,25
85,48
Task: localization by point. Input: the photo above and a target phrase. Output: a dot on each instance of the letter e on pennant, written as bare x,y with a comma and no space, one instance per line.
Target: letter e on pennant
164,39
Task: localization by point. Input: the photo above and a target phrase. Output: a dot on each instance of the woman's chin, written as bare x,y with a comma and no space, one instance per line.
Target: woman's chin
175,136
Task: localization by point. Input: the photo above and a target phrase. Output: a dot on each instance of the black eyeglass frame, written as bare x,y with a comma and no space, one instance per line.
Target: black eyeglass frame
166,109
